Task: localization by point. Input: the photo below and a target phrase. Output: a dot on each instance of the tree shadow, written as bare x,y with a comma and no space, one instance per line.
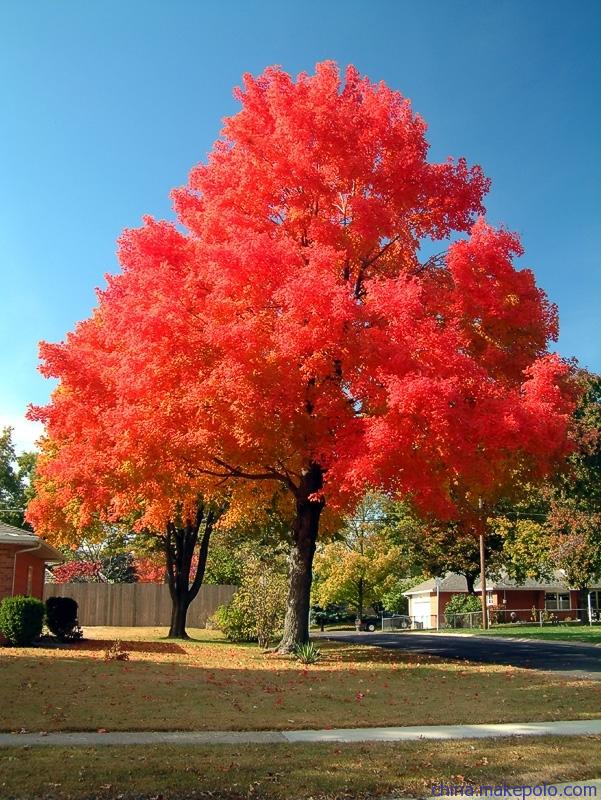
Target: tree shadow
164,686
134,646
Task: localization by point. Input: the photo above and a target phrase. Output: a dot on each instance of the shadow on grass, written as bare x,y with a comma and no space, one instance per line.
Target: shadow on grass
168,686
217,641
133,646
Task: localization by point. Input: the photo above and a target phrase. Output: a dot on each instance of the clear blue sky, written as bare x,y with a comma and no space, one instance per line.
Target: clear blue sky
105,105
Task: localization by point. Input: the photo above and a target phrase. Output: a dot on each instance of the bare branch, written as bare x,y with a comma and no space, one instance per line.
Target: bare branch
368,262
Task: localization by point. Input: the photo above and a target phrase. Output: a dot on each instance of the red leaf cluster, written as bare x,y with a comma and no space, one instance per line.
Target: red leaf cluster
77,572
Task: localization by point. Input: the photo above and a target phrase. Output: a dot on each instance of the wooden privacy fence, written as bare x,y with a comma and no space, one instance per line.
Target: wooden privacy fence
137,604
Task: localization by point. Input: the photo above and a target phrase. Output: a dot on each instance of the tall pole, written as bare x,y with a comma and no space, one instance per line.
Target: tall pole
590,608
482,573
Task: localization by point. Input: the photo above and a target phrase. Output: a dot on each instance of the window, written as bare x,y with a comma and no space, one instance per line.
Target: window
557,601
596,600
29,580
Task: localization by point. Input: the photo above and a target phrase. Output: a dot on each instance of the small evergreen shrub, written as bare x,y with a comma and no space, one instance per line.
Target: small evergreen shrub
21,619
61,618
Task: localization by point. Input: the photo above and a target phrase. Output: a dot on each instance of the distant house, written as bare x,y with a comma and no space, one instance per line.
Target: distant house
509,600
23,557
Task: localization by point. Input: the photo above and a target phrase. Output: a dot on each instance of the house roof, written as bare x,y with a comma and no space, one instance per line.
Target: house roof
27,540
450,583
457,583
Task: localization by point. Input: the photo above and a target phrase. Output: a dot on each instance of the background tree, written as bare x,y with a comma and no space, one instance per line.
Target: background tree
109,558
361,565
150,569
432,547
16,474
59,510
574,520
78,571
557,526
291,344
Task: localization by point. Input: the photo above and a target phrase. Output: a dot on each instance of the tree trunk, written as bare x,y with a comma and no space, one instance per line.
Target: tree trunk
179,613
180,542
470,579
304,536
360,600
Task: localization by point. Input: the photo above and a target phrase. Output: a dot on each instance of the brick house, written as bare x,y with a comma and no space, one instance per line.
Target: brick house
23,557
508,600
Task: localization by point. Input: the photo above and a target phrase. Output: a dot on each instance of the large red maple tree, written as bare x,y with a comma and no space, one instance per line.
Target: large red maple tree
288,339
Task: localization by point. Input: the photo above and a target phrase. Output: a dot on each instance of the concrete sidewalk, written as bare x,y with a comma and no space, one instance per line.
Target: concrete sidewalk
408,734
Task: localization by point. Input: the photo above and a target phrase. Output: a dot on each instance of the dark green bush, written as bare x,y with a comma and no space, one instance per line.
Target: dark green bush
61,618
21,619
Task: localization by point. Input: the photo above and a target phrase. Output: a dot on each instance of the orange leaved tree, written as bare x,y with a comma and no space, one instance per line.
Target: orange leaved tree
287,339
111,453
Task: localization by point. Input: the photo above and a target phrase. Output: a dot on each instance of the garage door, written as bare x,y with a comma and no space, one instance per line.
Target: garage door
421,612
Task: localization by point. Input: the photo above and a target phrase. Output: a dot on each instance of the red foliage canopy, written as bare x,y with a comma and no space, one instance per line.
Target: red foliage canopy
151,570
78,572
294,323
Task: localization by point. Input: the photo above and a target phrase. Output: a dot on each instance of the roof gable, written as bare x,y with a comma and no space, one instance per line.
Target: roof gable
28,540
457,583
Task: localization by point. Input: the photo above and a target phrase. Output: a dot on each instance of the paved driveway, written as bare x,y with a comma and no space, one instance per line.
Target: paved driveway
582,659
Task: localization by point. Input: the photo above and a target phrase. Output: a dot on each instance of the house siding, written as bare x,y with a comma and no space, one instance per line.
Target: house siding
519,600
6,570
508,600
24,561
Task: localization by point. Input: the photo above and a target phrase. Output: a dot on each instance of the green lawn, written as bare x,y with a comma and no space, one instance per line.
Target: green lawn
569,633
210,684
281,772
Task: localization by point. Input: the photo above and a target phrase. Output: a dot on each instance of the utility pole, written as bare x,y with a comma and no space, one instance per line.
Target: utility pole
482,572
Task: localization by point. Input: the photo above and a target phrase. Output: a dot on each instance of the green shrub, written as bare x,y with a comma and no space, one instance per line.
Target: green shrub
21,619
61,618
458,606
234,623
256,612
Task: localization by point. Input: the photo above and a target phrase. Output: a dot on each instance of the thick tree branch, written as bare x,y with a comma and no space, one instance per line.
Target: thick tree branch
203,552
236,472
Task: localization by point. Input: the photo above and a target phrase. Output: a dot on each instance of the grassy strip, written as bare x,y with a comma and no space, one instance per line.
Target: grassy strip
566,633
213,685
280,772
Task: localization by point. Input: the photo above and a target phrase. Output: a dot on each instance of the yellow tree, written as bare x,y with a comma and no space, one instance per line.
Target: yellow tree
360,565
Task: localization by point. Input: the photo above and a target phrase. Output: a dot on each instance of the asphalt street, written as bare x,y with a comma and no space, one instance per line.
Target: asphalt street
535,654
